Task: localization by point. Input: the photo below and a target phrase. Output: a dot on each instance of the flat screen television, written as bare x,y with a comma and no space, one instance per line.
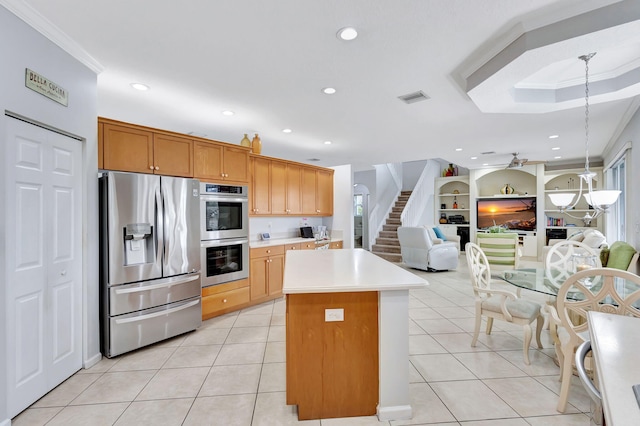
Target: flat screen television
513,213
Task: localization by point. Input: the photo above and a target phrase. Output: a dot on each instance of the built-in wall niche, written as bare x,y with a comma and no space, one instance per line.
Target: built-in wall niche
522,182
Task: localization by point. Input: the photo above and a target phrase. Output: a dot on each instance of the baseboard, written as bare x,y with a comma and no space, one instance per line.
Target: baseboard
88,363
396,412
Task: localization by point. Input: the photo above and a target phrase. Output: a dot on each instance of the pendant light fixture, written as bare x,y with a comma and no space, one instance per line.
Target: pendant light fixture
599,200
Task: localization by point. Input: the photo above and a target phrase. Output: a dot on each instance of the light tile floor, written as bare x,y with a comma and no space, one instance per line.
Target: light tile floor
231,371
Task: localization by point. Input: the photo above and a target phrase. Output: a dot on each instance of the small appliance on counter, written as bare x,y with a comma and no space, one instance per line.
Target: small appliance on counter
306,232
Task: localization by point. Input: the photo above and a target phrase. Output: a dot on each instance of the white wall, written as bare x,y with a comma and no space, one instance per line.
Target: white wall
342,220
631,133
22,47
280,227
368,179
411,172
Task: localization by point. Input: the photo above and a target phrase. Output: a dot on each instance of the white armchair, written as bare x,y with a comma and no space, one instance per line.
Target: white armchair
448,236
419,251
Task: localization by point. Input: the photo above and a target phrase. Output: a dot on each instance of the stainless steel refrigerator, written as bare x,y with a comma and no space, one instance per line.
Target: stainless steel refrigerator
150,282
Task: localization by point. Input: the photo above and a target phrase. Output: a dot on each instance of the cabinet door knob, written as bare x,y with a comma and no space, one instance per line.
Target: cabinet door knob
157,168
268,251
317,211
150,167
224,300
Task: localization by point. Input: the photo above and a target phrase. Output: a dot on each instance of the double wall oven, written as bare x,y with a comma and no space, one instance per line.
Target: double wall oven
224,233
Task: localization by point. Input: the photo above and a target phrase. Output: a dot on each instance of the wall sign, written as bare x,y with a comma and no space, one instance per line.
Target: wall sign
45,87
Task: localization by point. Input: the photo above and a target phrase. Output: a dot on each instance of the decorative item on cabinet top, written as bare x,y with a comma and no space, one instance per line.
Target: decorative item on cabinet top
450,171
256,145
245,141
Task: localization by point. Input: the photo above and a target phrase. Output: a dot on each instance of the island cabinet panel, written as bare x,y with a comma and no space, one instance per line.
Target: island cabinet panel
127,149
332,367
260,198
172,156
216,162
266,272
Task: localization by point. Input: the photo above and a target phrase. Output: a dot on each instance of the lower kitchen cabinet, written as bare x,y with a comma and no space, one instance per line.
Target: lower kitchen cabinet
335,245
222,298
266,272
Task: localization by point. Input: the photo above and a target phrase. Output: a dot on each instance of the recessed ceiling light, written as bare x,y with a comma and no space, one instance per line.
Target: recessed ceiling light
485,164
555,148
140,86
347,33
286,130
474,158
553,137
228,113
557,157
458,149
327,142
328,90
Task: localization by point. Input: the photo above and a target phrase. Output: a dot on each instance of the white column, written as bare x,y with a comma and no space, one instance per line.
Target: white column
393,326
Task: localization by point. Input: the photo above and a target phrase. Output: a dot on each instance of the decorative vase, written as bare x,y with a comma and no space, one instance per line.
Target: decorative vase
245,141
450,170
507,189
256,145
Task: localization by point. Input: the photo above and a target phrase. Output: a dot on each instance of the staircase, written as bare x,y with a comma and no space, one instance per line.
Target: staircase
387,245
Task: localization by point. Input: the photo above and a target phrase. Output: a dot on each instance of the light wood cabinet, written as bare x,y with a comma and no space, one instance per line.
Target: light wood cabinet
308,245
133,149
172,155
127,149
100,146
282,188
317,192
260,199
335,245
266,273
294,189
217,162
223,298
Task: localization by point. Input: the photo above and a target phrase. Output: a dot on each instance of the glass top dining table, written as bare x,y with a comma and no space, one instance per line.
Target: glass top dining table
549,281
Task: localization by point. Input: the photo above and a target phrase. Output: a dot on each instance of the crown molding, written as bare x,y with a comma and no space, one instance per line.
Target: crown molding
38,22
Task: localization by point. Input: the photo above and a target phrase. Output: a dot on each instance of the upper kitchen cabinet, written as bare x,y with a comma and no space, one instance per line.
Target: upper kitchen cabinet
317,192
260,194
286,179
131,148
127,149
172,155
217,162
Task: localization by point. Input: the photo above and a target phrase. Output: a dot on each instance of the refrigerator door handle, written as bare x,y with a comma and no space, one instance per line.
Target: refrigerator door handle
162,284
159,206
157,314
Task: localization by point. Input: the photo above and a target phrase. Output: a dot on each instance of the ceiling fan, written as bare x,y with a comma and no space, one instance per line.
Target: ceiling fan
517,163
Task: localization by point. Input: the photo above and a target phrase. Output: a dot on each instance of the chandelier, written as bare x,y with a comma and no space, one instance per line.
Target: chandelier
599,200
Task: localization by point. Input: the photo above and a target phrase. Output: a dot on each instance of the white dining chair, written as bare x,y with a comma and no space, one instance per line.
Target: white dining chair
597,289
558,263
499,304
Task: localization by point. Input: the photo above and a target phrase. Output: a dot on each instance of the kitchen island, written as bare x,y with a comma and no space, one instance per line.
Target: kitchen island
347,334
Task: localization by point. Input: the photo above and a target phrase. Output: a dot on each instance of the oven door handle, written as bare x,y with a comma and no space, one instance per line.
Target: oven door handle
162,284
218,243
225,199
157,314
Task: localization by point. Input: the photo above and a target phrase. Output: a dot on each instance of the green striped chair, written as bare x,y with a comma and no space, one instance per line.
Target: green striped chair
501,249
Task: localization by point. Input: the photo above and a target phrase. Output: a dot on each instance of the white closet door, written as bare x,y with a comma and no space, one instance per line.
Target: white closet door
44,261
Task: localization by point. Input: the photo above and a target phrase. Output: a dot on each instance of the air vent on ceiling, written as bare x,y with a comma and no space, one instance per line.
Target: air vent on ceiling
414,97
313,159
488,153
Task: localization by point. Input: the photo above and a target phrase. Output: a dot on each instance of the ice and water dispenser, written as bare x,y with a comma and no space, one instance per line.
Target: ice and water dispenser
138,244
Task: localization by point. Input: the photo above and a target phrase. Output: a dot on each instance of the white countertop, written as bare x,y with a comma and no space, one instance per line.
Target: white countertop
282,241
329,271
615,341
